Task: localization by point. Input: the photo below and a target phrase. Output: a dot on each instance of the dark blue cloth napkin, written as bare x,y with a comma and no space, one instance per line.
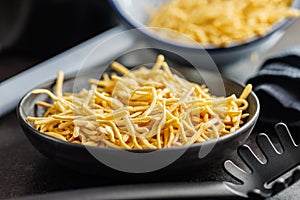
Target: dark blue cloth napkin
277,85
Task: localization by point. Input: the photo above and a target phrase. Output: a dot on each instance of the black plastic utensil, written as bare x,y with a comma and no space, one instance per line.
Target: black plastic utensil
265,180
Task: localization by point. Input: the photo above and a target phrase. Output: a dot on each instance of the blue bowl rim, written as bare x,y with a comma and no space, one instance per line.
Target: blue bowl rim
211,49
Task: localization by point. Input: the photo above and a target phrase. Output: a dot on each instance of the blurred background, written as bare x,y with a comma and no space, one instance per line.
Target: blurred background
32,31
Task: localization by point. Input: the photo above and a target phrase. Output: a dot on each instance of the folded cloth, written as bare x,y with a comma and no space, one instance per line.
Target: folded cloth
277,85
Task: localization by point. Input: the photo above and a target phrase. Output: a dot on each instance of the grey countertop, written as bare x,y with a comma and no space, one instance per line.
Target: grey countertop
24,171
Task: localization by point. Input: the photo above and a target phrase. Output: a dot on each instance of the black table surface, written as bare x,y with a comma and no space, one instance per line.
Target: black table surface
24,171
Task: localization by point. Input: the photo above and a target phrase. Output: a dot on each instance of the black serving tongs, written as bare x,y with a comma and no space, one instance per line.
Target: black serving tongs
265,180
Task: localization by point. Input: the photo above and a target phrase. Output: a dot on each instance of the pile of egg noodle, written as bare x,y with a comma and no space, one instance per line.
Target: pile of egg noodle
146,108
221,22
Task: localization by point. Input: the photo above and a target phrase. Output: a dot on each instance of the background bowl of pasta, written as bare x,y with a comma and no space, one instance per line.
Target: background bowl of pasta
133,121
227,31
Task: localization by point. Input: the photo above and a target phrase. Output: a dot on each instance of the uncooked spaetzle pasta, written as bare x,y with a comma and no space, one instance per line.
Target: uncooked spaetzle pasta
221,22
146,108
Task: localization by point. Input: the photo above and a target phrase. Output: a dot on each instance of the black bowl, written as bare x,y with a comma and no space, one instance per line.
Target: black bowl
81,158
